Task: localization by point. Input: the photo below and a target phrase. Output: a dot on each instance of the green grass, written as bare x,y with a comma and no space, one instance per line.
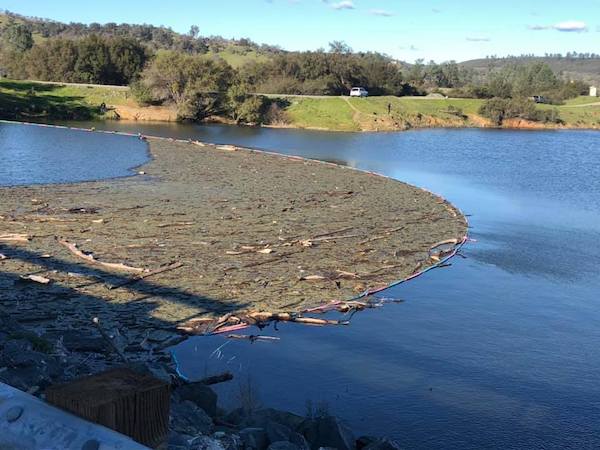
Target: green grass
586,117
29,100
236,56
323,113
414,105
583,100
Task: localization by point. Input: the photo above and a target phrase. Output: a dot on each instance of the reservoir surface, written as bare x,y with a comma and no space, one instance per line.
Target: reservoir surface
502,349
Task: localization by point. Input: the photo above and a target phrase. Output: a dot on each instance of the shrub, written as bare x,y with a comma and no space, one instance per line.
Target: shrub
252,110
142,93
276,115
499,109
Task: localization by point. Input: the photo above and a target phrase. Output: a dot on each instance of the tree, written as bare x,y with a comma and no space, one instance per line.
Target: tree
339,47
197,85
17,37
194,31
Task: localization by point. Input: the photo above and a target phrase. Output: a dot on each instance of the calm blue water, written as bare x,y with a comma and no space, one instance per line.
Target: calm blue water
502,350
44,155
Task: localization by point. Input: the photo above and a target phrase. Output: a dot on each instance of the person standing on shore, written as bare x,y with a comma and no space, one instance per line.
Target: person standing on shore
389,109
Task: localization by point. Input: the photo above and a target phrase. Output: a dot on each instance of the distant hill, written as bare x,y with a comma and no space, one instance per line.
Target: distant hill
571,68
235,51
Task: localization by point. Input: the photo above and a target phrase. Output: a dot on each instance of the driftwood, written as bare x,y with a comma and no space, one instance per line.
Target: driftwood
446,242
173,266
230,322
333,238
15,237
221,378
377,238
175,224
35,278
92,260
342,230
252,337
109,341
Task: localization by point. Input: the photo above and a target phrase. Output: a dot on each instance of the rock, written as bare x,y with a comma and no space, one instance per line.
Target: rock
327,432
363,441
76,341
277,432
261,417
283,445
237,417
201,395
383,444
159,335
206,443
255,438
23,379
188,418
300,441
178,441
159,371
19,353
229,441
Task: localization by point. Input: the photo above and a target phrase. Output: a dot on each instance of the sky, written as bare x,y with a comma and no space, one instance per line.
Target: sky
439,30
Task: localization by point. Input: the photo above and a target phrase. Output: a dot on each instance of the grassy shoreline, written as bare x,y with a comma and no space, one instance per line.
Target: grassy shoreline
31,100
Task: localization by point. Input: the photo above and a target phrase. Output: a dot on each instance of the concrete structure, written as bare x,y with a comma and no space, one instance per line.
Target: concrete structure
593,91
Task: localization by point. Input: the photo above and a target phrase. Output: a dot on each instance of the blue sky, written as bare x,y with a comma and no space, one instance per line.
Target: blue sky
405,29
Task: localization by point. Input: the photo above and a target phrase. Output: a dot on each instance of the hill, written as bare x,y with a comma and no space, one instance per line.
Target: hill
236,52
569,67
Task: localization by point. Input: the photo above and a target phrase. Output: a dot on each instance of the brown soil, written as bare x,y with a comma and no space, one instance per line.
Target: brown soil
254,232
146,113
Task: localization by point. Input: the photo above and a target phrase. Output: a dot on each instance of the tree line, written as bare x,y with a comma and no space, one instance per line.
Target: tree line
166,67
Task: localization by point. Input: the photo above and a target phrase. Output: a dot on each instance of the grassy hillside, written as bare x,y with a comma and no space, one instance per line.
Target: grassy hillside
230,50
587,70
30,100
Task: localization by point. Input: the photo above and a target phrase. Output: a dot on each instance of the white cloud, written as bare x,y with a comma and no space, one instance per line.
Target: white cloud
381,12
478,39
344,4
570,26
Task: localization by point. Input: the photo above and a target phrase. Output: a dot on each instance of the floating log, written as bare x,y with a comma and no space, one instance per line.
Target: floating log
230,323
252,337
15,237
173,266
215,379
35,278
89,257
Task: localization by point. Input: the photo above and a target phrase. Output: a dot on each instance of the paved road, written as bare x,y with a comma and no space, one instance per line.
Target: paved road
59,83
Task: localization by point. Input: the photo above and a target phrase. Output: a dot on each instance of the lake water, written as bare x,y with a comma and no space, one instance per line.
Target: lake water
31,154
501,350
